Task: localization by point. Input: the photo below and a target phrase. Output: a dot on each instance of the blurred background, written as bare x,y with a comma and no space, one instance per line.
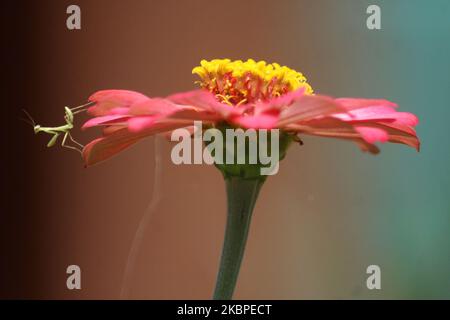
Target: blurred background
327,215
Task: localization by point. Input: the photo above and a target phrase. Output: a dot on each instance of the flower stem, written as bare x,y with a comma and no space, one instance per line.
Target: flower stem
241,197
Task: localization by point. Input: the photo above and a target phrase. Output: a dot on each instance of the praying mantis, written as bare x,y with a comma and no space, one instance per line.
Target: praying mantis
63,130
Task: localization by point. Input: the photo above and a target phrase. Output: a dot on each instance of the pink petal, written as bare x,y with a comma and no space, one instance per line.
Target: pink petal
400,134
367,113
107,130
308,107
198,98
137,124
111,99
119,93
406,118
104,120
365,146
165,108
380,113
103,148
283,100
325,126
119,110
262,121
333,128
358,103
205,100
191,113
152,107
372,135
364,135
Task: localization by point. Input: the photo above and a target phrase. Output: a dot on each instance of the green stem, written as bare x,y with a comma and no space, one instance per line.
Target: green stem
241,198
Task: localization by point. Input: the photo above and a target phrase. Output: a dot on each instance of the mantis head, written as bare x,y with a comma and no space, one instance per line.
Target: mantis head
37,128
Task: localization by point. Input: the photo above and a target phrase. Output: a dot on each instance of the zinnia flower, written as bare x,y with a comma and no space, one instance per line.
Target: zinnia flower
241,94
249,95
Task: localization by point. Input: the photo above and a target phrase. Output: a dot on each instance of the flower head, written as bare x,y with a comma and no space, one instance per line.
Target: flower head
249,95
238,82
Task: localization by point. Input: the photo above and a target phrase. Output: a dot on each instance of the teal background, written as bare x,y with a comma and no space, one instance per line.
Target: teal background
397,204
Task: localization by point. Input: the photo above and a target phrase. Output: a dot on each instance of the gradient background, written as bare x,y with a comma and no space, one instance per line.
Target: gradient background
329,213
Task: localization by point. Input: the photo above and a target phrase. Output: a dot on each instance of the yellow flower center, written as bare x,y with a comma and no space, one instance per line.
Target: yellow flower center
237,82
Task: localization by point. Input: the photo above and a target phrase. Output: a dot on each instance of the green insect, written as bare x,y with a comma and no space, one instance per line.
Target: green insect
63,130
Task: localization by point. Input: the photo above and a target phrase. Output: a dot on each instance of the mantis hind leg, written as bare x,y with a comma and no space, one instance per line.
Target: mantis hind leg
74,141
63,143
